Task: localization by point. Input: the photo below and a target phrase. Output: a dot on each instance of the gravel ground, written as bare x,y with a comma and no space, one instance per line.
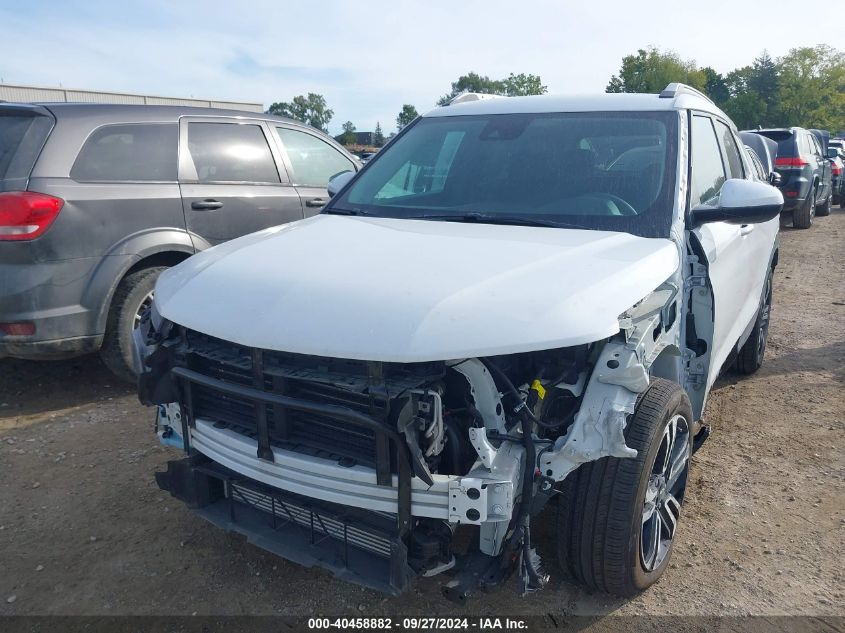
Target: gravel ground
84,530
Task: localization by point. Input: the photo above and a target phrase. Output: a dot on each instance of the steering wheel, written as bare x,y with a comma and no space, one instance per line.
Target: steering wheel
619,203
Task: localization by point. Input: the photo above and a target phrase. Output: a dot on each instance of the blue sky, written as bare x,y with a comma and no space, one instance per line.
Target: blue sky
369,57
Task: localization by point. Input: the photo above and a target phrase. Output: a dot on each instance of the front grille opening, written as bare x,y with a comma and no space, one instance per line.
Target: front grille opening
319,523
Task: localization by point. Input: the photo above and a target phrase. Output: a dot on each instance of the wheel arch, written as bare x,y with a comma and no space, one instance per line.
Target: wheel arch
155,247
668,364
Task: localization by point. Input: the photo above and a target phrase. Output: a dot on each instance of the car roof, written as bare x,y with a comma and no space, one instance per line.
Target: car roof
141,112
608,102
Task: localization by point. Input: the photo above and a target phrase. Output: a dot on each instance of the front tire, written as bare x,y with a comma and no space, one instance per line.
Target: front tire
132,297
617,518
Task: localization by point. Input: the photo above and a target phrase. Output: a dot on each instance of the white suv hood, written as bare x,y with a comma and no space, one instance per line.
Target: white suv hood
413,290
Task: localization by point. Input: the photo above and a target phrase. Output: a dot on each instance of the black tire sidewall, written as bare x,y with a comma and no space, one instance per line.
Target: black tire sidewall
805,213
117,346
750,357
678,404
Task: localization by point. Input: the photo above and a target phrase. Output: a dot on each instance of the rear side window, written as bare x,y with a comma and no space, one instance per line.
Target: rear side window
21,138
231,152
731,151
708,172
131,152
804,144
314,161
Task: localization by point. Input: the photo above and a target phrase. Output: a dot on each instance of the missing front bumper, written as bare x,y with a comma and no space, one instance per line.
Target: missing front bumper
355,546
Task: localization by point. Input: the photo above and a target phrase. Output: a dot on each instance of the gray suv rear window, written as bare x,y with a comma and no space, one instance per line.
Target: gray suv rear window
21,138
130,152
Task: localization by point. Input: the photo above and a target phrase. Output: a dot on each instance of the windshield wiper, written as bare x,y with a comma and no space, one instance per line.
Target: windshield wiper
493,218
336,211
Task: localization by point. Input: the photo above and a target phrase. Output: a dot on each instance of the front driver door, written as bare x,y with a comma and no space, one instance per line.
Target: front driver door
312,162
735,254
232,179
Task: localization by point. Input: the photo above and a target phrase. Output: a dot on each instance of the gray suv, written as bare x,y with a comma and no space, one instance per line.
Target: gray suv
97,200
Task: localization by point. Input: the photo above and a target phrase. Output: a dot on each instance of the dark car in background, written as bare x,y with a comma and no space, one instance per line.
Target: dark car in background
836,156
806,175
763,153
97,200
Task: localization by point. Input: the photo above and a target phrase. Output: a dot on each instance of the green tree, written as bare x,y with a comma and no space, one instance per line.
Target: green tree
522,85
764,80
512,86
473,82
804,88
406,115
744,106
348,137
811,88
651,70
311,109
747,110
715,86
378,136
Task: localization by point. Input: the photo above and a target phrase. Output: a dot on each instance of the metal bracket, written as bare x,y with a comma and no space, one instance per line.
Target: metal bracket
486,451
597,430
475,500
484,392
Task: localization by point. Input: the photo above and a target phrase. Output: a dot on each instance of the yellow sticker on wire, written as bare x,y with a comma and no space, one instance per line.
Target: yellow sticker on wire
540,389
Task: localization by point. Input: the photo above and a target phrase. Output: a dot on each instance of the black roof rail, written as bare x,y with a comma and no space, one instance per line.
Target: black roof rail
676,89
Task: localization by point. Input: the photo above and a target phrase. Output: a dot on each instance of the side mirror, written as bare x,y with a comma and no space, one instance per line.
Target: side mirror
741,202
339,181
775,179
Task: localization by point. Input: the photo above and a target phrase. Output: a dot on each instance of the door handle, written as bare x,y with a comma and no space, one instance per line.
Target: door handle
745,229
206,205
315,202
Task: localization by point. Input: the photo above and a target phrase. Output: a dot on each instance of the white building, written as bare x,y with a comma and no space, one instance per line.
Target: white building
27,94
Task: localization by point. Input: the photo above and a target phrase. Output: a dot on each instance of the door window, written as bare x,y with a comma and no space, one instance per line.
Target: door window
731,151
231,152
127,153
708,172
314,161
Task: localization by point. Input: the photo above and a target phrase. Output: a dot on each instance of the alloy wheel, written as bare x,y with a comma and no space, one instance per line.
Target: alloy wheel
145,304
665,493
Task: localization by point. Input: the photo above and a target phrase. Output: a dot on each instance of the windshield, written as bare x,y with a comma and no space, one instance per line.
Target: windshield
611,171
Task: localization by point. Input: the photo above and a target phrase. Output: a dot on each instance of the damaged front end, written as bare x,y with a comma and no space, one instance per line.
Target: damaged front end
383,472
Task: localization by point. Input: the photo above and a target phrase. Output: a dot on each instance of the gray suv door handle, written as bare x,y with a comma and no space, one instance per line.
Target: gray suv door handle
316,202
206,205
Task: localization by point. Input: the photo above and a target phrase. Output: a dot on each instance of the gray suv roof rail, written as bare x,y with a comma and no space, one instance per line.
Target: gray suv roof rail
676,89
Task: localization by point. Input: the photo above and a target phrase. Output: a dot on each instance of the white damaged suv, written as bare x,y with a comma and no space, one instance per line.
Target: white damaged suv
518,301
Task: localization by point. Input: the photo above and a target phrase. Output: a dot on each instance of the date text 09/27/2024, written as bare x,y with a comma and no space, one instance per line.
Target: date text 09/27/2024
421,623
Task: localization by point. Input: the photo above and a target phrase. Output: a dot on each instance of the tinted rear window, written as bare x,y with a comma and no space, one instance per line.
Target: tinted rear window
129,152
21,138
785,140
